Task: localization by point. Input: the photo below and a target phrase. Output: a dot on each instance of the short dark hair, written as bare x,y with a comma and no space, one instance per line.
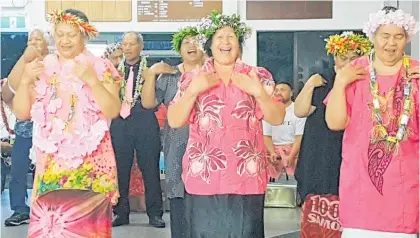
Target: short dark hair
209,42
78,14
286,83
389,9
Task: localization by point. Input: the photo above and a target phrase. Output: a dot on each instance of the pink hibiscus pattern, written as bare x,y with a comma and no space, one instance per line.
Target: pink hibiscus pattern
221,146
208,109
204,159
245,110
252,160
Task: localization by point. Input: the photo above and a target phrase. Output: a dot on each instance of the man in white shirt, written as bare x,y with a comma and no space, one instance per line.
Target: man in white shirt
283,141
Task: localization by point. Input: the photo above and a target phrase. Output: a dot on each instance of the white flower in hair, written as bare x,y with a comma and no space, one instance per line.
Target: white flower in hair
398,18
346,33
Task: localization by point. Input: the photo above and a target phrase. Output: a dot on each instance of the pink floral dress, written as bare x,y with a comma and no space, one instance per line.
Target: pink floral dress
225,152
76,178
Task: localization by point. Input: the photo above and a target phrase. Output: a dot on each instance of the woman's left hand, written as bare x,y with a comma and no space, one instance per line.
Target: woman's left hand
250,84
413,73
86,73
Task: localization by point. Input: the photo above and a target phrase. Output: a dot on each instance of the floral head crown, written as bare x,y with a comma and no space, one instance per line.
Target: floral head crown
215,21
58,16
110,49
340,44
384,17
178,37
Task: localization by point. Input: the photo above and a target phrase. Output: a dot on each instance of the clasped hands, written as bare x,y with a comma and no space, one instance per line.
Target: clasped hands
274,159
250,84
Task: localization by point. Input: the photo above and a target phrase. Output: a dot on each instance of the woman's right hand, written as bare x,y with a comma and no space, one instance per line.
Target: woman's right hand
32,71
316,81
349,74
31,53
202,82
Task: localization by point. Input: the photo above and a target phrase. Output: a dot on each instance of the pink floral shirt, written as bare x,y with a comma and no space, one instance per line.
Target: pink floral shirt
379,191
225,152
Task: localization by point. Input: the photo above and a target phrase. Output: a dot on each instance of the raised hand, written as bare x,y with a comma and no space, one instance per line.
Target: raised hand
350,73
31,53
162,68
32,70
250,84
317,80
86,73
202,81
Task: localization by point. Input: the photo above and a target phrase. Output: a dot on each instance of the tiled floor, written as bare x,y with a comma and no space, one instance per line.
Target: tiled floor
279,223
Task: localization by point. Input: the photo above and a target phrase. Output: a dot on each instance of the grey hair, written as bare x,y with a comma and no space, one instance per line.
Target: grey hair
139,37
45,34
47,37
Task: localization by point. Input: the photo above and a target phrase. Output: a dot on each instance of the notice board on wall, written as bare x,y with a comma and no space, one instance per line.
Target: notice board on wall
175,10
286,9
96,10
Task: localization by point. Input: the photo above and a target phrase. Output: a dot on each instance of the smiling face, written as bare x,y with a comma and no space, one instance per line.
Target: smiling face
69,41
189,50
131,47
389,43
225,46
37,40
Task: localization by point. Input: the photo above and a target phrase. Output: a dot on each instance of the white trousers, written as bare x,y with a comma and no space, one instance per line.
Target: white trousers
359,233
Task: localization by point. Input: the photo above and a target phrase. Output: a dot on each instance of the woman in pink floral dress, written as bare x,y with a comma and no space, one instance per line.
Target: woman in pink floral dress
70,96
225,165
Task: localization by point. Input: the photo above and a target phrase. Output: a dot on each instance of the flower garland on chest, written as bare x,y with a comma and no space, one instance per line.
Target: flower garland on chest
67,121
380,130
138,86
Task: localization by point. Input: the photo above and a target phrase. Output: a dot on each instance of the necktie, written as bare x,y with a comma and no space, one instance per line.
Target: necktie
128,97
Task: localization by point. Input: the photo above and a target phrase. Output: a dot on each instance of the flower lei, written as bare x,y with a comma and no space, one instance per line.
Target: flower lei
58,16
139,81
53,136
215,21
341,44
178,37
380,132
398,17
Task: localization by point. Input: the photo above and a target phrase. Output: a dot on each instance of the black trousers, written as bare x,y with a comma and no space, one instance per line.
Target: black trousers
224,216
177,214
139,132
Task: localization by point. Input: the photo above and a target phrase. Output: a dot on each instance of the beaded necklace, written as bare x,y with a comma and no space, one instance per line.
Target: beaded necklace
139,81
380,131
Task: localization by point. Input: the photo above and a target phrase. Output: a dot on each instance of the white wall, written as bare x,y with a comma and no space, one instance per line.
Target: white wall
346,15
413,8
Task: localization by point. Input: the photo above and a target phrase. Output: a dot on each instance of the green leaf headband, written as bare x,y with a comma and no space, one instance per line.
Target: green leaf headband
215,21
178,37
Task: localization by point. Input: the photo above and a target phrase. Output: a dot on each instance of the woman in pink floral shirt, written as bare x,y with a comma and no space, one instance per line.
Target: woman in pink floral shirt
70,96
224,167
